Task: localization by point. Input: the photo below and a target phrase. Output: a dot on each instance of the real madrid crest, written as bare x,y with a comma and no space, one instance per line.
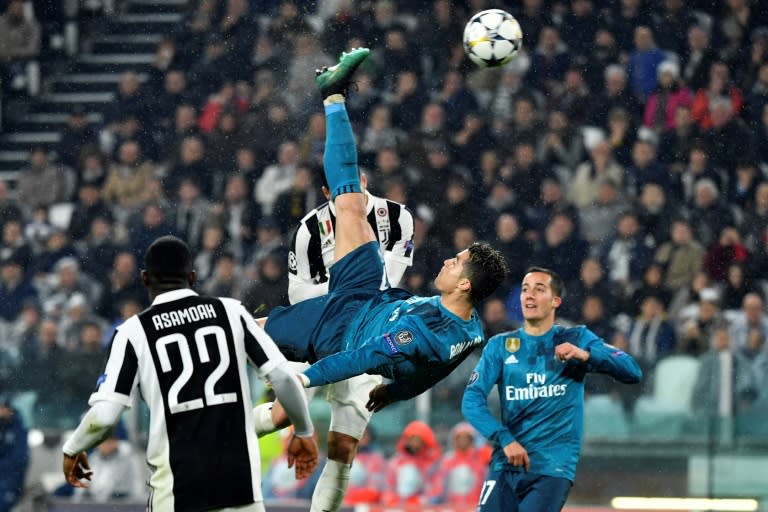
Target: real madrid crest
512,344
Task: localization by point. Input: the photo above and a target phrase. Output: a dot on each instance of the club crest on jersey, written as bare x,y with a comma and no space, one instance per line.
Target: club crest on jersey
381,212
512,344
326,227
292,264
473,378
403,337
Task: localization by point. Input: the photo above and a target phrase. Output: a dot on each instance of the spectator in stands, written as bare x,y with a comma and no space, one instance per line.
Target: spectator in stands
651,334
710,216
122,285
277,178
81,364
583,190
741,191
14,454
291,206
76,135
725,383
495,317
644,62
366,479
676,142
20,40
227,279
238,215
14,244
409,470
590,282
516,248
191,165
67,281
699,322
92,168
312,143
379,134
729,138
549,61
698,57
42,361
562,248
626,253
43,183
682,257
460,474
729,249
561,148
15,287
615,94
720,85
698,168
126,180
651,284
89,206
10,209
269,288
670,93
191,212
751,320
129,100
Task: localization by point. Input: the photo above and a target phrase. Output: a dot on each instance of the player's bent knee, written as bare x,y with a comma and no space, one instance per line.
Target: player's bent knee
341,447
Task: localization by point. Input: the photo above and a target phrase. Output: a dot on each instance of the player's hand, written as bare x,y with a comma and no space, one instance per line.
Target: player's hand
567,351
303,452
76,469
378,398
517,455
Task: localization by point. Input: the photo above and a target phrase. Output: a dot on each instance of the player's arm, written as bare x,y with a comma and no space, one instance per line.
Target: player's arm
112,395
301,285
270,363
600,357
474,405
405,389
400,256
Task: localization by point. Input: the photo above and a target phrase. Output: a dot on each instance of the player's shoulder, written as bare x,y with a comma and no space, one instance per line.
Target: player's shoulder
571,334
319,211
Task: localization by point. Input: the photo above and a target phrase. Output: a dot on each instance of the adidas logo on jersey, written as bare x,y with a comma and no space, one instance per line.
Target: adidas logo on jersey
511,359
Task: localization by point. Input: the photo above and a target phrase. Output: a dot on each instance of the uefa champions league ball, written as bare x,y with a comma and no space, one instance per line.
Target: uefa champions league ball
492,38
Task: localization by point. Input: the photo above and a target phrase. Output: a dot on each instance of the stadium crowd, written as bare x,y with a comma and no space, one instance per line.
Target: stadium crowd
626,147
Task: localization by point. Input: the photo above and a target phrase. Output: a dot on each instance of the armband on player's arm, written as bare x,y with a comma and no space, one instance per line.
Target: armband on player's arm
94,427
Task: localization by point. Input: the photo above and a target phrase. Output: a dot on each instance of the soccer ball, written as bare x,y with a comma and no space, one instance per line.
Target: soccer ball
492,38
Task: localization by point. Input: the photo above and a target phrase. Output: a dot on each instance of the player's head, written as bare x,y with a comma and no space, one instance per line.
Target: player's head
327,191
476,272
540,294
168,265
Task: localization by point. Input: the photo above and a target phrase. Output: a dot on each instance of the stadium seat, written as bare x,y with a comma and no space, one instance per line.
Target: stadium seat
605,419
664,413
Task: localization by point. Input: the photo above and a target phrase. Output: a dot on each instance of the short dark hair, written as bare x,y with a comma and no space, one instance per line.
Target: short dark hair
486,268
555,281
168,259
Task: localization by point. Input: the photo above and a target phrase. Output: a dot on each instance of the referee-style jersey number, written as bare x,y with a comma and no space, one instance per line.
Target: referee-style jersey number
188,368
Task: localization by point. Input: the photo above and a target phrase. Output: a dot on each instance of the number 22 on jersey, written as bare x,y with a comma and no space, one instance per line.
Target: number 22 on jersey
188,367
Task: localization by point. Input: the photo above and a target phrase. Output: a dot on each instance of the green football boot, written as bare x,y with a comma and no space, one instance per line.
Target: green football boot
336,79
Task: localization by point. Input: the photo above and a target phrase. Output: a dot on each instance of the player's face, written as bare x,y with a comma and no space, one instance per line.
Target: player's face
451,273
537,298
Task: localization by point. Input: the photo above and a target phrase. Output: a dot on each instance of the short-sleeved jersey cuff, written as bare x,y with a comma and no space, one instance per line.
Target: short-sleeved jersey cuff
270,365
117,398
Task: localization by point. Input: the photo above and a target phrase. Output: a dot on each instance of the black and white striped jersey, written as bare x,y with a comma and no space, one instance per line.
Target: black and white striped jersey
187,354
313,244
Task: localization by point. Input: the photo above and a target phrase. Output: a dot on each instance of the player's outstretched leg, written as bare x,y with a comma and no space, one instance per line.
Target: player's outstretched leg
340,157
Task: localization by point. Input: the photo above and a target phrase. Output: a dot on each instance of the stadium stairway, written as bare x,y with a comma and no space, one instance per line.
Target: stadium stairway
118,42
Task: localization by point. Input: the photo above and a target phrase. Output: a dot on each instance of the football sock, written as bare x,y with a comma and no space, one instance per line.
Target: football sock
340,158
262,419
331,486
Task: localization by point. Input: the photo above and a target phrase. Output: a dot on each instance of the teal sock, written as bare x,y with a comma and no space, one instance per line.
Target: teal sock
340,157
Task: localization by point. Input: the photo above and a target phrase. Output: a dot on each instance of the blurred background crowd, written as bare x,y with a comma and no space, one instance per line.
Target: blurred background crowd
626,148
